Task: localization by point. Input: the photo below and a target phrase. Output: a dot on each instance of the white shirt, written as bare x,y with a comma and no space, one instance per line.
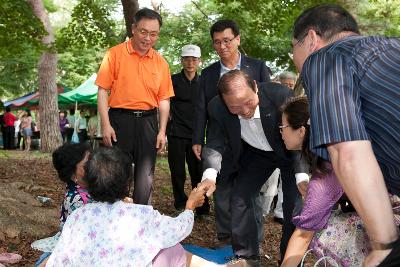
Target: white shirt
251,132
225,69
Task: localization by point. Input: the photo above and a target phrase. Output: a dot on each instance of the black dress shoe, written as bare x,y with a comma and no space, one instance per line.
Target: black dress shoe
278,220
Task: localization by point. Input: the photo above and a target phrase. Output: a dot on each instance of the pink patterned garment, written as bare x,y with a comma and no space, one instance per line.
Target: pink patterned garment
118,234
322,194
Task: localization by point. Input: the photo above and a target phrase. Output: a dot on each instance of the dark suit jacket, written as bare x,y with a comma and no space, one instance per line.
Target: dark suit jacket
224,127
209,78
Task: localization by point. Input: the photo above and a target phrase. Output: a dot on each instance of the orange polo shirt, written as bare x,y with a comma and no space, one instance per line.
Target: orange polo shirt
134,82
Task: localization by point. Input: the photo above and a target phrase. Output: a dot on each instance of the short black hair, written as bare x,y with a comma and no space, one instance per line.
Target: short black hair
224,84
8,109
222,25
146,13
327,20
66,157
72,111
108,174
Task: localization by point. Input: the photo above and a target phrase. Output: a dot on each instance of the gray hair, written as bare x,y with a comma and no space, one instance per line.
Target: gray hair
287,75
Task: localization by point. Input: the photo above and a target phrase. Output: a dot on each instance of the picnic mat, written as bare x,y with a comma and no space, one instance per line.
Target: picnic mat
220,255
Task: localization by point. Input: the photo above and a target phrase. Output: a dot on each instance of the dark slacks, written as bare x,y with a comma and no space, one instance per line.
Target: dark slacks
222,196
179,151
255,168
137,136
9,138
69,132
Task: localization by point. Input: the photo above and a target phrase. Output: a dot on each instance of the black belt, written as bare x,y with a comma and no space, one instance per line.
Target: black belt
134,112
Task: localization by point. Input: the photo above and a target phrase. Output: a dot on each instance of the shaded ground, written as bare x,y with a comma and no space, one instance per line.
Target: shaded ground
23,219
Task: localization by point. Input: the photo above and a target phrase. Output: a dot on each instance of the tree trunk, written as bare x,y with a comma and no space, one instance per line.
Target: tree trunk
130,8
50,135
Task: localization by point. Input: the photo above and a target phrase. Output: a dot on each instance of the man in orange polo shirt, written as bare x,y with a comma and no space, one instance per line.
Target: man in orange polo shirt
134,80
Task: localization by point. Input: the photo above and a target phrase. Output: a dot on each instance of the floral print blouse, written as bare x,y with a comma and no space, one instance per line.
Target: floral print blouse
118,234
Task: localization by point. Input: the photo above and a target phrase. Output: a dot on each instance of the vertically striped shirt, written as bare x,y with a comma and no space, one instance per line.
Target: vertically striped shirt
353,86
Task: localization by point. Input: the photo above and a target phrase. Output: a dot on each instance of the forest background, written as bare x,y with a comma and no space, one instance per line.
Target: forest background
44,42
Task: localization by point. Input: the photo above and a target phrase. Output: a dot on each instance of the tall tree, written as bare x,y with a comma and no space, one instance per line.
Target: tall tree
130,8
47,67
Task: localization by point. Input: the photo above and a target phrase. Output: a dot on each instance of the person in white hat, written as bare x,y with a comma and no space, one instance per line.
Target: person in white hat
180,128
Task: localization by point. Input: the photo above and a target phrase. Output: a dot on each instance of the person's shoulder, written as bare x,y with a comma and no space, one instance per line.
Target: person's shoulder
117,48
273,88
252,60
211,68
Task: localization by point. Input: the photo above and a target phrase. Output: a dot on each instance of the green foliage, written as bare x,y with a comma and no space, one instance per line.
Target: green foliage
20,35
381,17
266,26
190,26
75,66
50,6
91,26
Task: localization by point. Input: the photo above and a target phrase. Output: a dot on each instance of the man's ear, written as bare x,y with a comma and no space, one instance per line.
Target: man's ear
316,41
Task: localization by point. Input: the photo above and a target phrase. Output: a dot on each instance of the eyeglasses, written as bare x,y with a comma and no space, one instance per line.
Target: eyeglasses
300,40
143,33
281,127
225,42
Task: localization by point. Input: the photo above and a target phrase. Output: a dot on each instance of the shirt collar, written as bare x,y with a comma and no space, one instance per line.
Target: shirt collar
131,50
237,67
255,116
186,79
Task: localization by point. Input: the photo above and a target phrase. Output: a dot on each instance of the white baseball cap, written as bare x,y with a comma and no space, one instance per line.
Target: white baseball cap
191,51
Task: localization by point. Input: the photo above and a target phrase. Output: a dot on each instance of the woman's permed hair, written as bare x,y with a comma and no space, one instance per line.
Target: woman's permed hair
67,157
108,174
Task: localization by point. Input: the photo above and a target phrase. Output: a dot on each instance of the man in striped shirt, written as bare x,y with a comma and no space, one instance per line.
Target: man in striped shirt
353,85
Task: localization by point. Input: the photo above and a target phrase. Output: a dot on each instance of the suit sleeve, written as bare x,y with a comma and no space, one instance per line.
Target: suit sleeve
213,150
264,73
201,113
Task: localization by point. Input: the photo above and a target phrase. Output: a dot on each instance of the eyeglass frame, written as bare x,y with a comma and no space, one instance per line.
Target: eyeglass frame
281,127
225,42
301,40
144,33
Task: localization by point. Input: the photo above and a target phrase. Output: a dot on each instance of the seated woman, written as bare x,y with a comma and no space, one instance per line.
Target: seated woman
341,236
113,231
69,161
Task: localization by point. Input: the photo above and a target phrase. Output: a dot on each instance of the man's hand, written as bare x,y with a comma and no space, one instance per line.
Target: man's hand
302,187
108,134
207,185
161,141
197,151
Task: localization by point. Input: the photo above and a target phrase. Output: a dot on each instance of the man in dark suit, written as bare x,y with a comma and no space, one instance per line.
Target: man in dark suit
246,121
226,40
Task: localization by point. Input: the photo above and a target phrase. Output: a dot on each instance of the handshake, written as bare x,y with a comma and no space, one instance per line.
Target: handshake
197,196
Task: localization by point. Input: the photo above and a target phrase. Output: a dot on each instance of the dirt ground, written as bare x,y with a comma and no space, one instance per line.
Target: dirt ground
23,219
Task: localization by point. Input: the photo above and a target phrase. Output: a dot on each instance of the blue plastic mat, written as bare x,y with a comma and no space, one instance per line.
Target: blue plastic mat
220,255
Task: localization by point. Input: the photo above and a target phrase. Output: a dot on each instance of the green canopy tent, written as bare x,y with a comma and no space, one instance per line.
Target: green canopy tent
86,93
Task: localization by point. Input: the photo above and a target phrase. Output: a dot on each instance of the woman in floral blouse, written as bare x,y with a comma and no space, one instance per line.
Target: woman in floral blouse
113,231
69,160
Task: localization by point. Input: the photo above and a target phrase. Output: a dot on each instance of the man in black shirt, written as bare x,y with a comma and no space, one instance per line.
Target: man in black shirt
180,128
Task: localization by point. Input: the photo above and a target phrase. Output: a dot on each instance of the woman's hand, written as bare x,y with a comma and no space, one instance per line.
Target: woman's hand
196,198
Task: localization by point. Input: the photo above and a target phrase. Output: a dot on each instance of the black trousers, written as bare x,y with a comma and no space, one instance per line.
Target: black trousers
222,196
9,138
137,137
255,168
179,151
69,132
